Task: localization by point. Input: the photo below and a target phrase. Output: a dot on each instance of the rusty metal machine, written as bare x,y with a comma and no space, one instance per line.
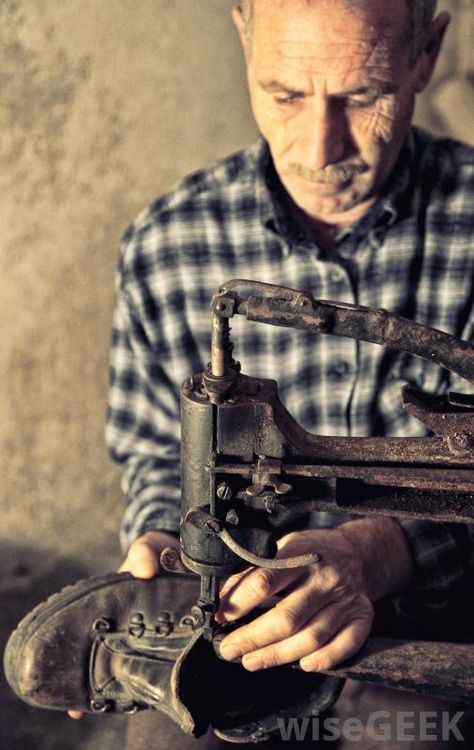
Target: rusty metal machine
250,472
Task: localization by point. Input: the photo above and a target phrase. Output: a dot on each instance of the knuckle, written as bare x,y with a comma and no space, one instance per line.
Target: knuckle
260,583
246,644
285,621
272,658
318,638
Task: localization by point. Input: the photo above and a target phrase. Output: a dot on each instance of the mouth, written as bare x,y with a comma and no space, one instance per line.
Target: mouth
337,175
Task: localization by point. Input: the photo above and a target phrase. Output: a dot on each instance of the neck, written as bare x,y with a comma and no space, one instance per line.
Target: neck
324,231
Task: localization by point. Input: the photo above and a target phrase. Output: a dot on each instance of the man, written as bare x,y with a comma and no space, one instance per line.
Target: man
340,198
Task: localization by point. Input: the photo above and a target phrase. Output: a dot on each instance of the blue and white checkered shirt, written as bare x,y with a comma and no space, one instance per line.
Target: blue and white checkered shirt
413,255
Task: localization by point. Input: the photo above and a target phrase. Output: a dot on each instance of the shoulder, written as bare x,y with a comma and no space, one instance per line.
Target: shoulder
190,209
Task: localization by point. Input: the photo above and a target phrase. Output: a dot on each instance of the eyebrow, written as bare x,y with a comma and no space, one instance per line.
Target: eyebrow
275,87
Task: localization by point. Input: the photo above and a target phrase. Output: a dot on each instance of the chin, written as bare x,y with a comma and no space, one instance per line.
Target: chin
330,205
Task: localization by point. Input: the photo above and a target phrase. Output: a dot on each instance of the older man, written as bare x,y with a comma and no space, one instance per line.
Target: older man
342,198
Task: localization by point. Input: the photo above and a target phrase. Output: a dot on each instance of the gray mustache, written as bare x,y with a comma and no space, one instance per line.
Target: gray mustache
331,175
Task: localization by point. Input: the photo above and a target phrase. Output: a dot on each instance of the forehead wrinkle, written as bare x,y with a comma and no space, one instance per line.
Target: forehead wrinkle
314,65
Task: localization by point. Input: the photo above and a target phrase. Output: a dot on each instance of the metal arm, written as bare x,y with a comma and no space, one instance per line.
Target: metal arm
281,306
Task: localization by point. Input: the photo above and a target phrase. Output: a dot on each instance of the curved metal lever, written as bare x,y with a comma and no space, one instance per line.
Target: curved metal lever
282,306
281,563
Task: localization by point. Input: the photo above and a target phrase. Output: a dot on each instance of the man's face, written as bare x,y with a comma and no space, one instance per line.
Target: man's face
332,91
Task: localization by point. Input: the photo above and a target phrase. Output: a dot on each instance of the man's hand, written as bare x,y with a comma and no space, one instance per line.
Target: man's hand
143,561
143,557
325,612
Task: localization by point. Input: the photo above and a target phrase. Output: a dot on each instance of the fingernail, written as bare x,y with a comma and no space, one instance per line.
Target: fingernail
252,663
229,651
308,664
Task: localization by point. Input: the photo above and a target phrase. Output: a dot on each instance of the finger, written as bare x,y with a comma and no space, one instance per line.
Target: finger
286,618
229,585
291,635
345,644
75,714
253,589
142,559
231,582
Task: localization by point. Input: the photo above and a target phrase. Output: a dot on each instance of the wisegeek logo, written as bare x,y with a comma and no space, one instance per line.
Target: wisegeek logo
401,726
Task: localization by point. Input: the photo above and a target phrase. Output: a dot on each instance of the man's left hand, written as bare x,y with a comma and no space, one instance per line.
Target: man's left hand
324,613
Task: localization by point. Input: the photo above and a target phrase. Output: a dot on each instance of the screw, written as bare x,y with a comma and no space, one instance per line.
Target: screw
212,525
224,491
232,517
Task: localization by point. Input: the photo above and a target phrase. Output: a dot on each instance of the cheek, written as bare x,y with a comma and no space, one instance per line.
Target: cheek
381,125
278,128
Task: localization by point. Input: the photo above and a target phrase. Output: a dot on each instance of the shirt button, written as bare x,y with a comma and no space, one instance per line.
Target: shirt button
339,369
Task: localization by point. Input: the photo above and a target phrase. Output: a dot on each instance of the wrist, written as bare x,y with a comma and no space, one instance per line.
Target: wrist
383,552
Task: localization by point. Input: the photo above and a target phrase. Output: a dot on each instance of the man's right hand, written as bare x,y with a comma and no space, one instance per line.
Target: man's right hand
143,561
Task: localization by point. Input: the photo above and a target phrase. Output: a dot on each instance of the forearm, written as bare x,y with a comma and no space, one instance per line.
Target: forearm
382,548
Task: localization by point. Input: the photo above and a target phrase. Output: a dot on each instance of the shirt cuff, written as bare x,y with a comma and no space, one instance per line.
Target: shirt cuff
439,572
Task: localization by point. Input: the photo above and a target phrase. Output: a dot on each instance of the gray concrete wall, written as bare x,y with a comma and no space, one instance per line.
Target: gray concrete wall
103,105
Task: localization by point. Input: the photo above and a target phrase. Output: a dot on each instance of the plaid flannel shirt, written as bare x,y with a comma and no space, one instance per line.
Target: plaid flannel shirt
412,254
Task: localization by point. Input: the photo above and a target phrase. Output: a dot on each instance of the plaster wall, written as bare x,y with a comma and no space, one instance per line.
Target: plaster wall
103,106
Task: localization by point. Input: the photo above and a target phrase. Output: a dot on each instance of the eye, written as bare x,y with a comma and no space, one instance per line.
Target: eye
361,102
289,98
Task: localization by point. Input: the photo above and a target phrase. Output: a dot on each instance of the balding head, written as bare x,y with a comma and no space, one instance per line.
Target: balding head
420,14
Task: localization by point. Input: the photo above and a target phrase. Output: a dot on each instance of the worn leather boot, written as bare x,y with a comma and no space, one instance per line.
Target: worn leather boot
118,643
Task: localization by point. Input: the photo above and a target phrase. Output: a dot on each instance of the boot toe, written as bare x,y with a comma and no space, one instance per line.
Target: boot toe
47,659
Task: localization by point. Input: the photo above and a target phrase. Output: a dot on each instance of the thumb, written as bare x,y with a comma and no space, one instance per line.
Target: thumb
142,559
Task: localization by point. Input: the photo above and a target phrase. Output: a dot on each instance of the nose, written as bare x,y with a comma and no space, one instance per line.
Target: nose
326,138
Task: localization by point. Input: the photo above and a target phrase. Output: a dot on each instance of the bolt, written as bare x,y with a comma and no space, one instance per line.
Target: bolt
212,525
197,615
270,503
461,444
232,517
224,491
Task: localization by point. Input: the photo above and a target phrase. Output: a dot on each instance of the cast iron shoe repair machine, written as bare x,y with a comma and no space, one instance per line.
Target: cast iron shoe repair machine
250,471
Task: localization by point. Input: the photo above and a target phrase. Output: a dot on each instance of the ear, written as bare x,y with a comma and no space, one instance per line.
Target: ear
238,18
431,49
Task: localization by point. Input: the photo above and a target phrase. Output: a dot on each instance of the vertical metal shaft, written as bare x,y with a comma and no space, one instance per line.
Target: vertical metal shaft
219,346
